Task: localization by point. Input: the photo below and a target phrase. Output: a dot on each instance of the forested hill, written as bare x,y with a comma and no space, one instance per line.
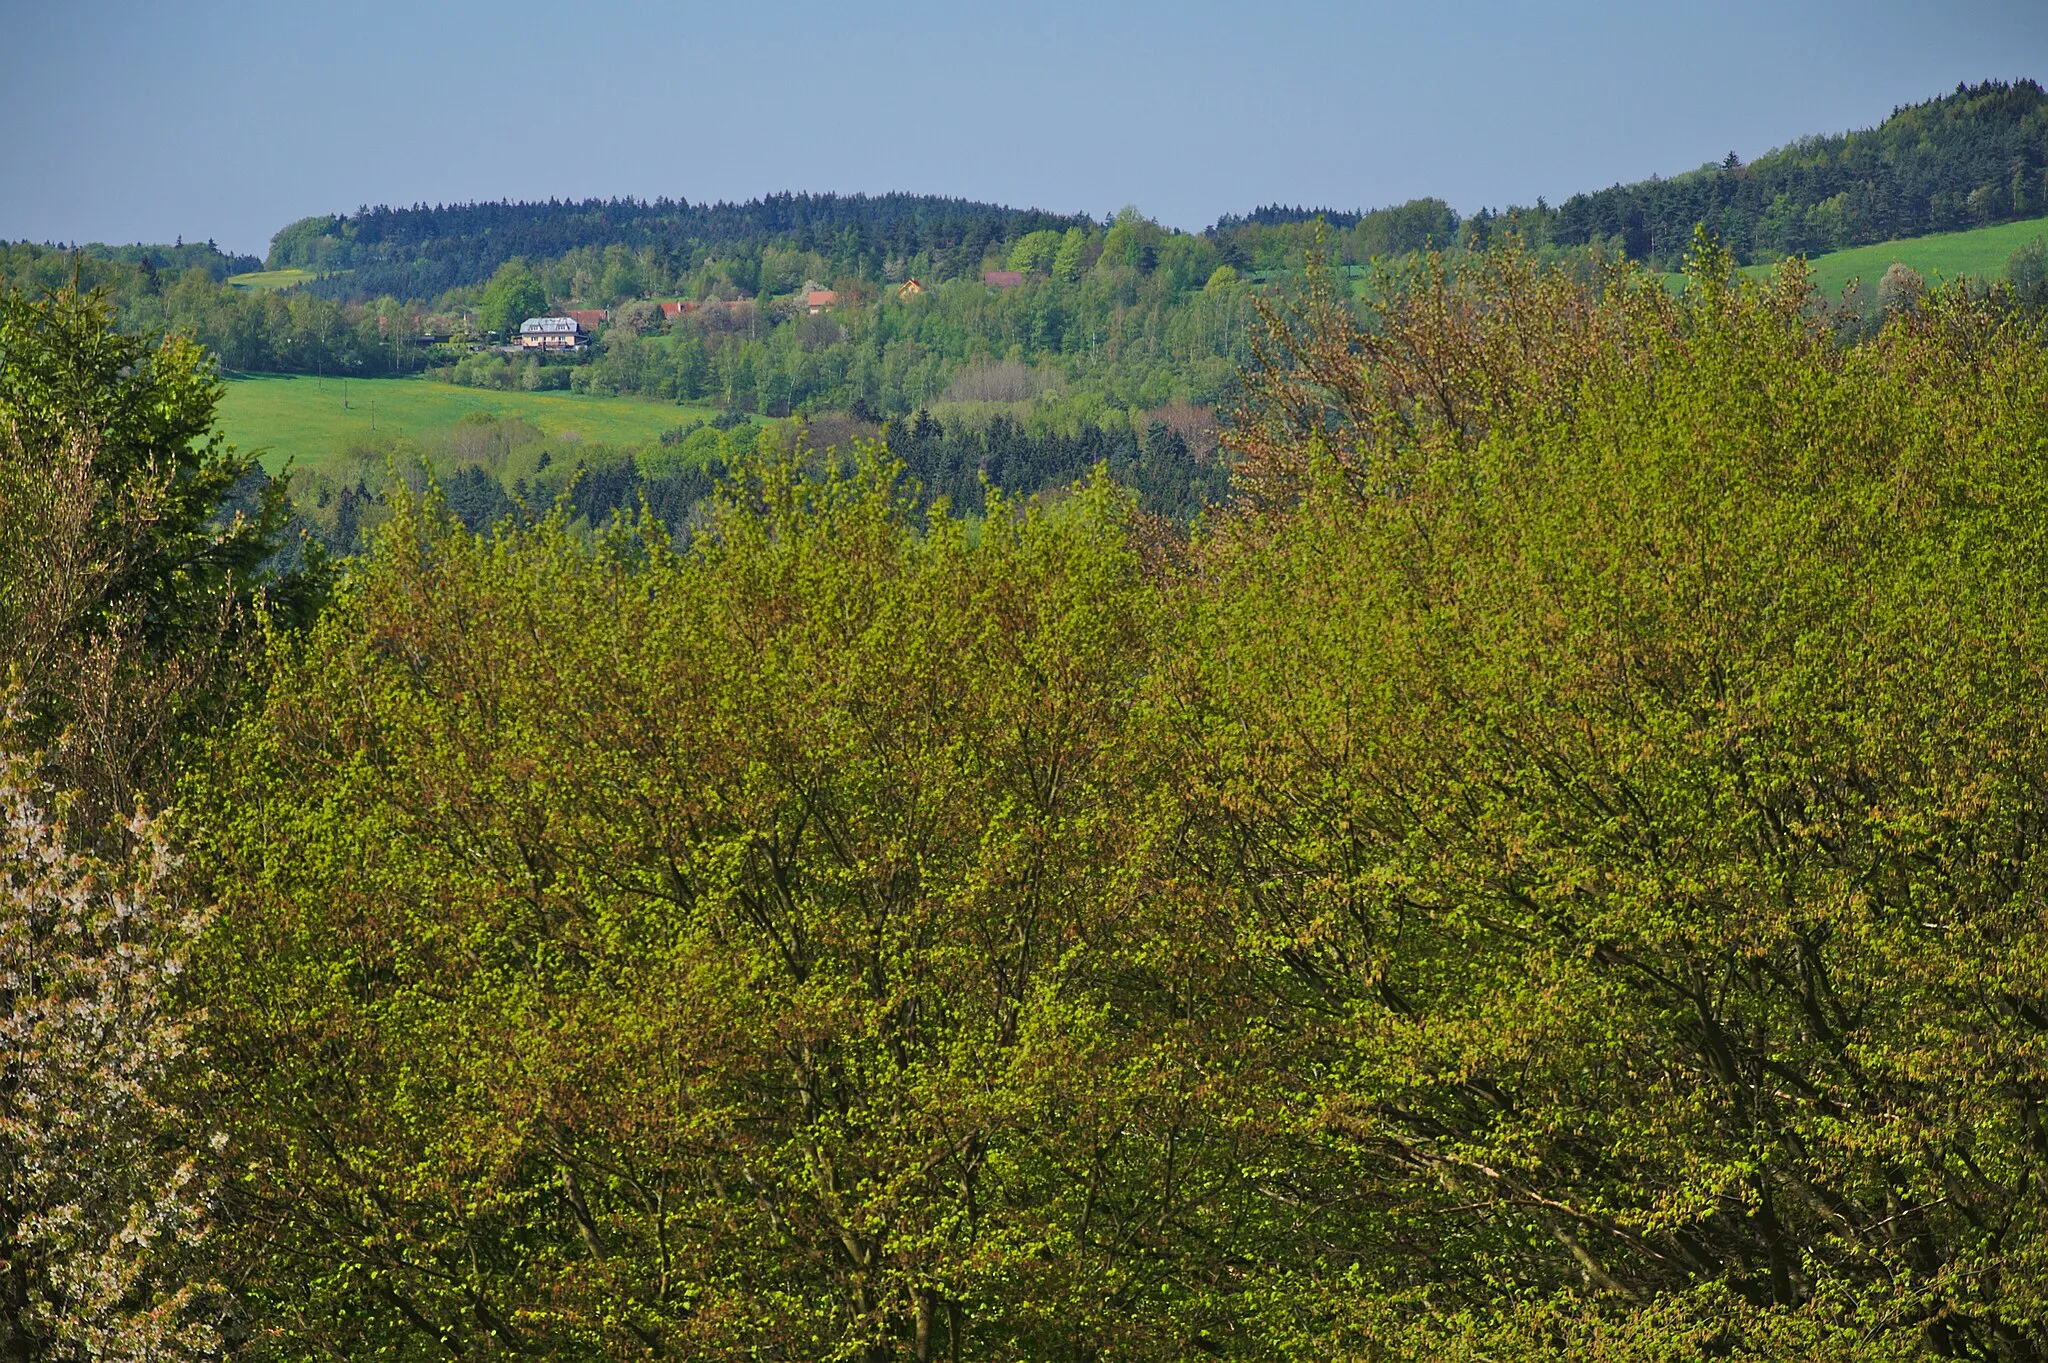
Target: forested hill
155,258
1967,159
1971,158
419,252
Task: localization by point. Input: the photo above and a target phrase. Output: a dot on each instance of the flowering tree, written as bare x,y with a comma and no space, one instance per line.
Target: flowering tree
97,1193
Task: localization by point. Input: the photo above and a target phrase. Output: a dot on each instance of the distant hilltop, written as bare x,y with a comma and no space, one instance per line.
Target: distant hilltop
420,251
1974,157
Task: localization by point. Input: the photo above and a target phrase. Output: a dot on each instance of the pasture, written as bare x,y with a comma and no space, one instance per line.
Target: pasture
1980,253
312,422
269,281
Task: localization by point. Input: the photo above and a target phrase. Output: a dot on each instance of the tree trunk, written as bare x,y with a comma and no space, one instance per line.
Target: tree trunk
923,1300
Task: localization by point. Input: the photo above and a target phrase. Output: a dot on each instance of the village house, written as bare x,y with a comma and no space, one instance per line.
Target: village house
820,299
550,333
673,311
911,289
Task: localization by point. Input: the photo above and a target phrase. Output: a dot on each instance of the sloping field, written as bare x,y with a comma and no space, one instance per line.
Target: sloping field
311,422
1980,253
265,281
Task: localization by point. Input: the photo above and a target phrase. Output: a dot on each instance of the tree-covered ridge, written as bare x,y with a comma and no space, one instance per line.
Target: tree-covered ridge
1121,314
419,252
1976,156
176,258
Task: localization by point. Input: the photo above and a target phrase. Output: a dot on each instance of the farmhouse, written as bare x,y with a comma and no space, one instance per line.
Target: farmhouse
550,333
820,299
671,311
911,289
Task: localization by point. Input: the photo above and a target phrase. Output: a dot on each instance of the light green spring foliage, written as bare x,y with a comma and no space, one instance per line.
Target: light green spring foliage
1643,790
1565,882
702,447
512,296
1073,250
747,950
1036,251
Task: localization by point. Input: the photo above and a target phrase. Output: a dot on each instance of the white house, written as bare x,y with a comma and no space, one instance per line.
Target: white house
550,333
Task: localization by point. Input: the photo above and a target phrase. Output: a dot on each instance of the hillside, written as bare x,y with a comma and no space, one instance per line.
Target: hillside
1972,158
1980,254
270,281
1975,157
318,424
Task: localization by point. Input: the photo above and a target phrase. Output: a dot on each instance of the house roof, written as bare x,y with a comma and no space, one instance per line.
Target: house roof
675,309
821,298
1002,279
548,326
590,319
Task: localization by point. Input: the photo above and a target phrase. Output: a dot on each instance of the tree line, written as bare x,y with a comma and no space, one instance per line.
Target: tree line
421,252
1975,156
494,470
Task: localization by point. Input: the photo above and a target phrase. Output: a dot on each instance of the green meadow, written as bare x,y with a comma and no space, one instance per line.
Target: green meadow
311,422
1980,253
266,281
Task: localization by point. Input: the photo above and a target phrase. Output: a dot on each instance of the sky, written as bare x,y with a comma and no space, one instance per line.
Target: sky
148,121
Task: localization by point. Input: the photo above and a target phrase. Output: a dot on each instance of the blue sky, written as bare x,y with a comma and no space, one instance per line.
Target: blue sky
147,121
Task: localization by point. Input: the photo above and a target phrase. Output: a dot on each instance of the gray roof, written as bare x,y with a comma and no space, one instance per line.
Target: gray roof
547,326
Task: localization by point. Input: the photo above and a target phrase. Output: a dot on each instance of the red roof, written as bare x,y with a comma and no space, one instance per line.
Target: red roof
675,309
821,298
590,319
1002,279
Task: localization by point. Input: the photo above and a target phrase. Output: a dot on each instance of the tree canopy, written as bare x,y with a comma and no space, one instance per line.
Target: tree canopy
512,296
1552,870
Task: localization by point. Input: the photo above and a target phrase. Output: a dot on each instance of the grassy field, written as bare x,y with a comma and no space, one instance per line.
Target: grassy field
1980,253
312,422
1977,254
263,281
